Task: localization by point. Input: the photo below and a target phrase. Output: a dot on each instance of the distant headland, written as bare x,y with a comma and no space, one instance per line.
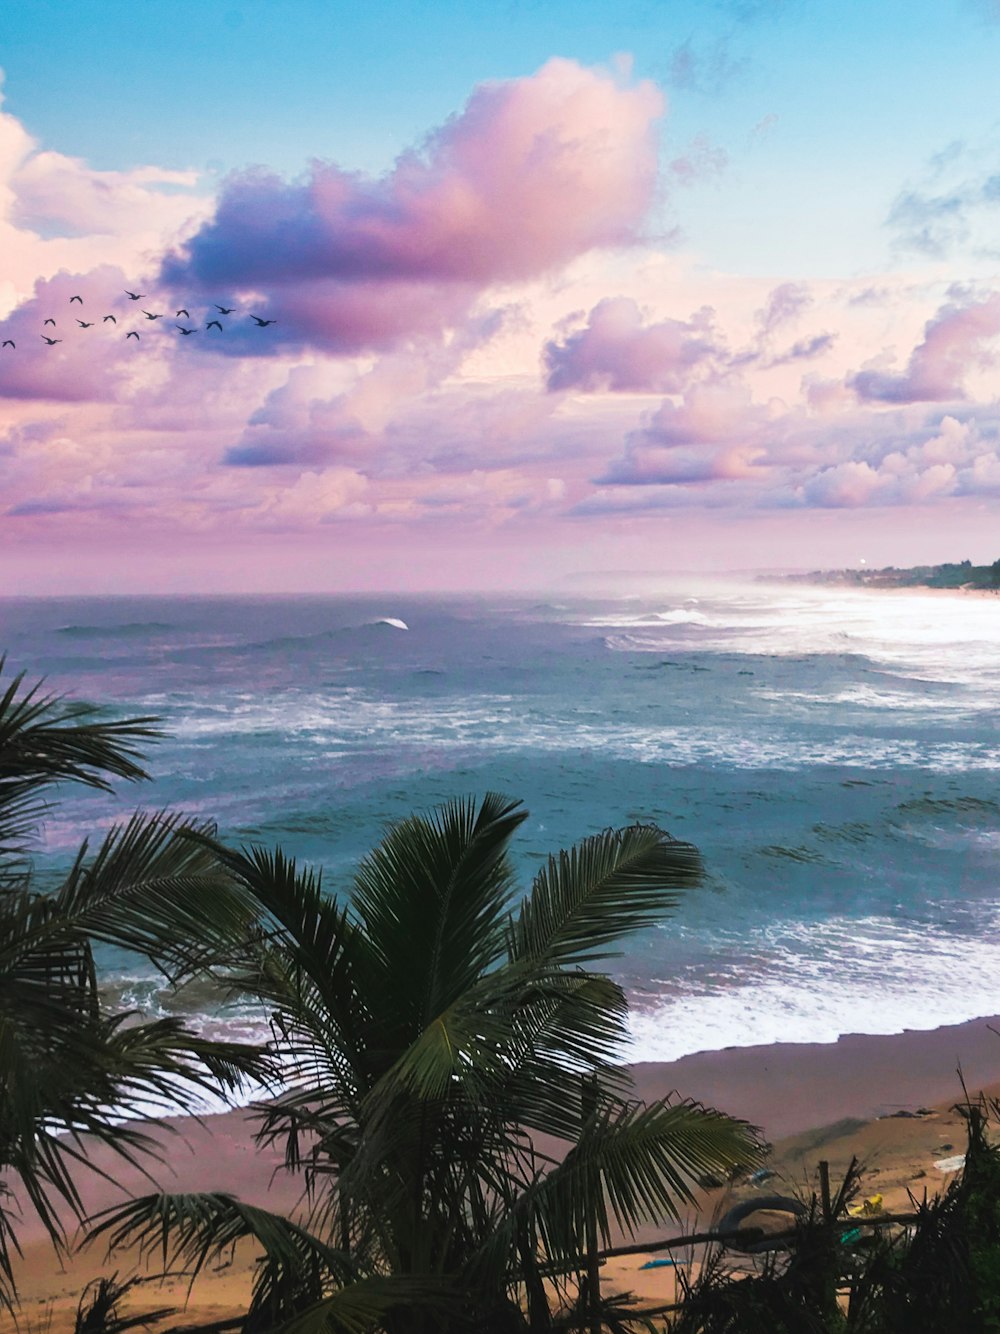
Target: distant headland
955,574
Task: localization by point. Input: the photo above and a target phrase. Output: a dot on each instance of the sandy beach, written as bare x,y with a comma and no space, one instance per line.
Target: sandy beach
812,1101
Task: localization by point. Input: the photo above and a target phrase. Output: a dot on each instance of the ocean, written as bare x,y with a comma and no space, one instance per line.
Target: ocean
832,752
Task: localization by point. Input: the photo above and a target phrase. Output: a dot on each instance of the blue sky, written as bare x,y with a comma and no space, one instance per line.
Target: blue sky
824,111
789,312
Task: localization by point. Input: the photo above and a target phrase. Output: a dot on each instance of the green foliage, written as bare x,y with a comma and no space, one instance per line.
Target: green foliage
940,1274
153,886
454,1102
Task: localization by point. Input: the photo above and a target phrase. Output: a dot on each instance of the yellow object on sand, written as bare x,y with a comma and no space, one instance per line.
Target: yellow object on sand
873,1205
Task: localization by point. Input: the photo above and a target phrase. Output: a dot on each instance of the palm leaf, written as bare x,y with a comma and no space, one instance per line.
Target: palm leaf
364,1306
585,900
157,886
45,739
434,890
191,1229
636,1163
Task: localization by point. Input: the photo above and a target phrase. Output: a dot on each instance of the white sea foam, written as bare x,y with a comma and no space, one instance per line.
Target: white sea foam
816,983
939,638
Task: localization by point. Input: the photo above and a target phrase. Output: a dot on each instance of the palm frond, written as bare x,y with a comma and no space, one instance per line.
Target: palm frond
45,739
435,890
585,900
190,1230
158,887
637,1163
363,1307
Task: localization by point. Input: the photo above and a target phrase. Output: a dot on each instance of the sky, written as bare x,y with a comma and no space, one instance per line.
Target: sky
556,288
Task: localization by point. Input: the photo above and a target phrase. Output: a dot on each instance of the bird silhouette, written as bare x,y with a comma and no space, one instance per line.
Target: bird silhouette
84,325
134,296
183,330
51,341
214,324
182,311
8,342
262,324
225,310
131,334
49,321
152,317
76,298
109,317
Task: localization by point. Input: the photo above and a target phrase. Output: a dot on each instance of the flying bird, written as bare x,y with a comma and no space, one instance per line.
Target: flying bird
262,324
225,310
134,296
8,342
51,341
182,311
152,317
109,317
214,324
49,321
84,325
76,298
131,334
183,330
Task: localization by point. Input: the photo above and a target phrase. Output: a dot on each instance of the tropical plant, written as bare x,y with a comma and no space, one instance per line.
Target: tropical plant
455,1097
68,1061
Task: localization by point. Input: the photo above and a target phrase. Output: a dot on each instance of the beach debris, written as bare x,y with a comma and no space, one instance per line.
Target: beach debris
757,1243
872,1205
953,1164
658,1263
761,1175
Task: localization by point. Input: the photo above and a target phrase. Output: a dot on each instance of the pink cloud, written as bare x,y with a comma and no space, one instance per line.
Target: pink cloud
617,351
953,341
85,364
60,195
785,303
713,434
532,173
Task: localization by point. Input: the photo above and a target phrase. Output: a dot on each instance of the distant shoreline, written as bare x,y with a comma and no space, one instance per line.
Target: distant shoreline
952,577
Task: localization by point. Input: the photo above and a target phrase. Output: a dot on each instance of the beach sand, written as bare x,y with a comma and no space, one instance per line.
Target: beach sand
813,1101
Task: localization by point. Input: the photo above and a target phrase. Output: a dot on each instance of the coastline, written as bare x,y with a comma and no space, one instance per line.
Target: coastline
811,1100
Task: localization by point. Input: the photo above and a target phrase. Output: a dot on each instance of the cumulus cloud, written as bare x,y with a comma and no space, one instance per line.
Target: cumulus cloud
56,195
953,342
711,435
85,364
616,350
785,303
56,212
532,173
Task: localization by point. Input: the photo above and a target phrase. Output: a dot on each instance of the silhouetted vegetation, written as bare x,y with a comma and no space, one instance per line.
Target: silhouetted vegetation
955,574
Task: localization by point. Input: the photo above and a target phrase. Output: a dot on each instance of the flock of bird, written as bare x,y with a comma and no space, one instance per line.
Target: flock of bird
151,316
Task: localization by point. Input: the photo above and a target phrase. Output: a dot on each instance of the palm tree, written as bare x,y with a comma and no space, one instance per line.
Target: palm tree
453,1099
67,1061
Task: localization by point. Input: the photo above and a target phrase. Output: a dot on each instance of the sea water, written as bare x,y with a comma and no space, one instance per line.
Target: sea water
833,753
